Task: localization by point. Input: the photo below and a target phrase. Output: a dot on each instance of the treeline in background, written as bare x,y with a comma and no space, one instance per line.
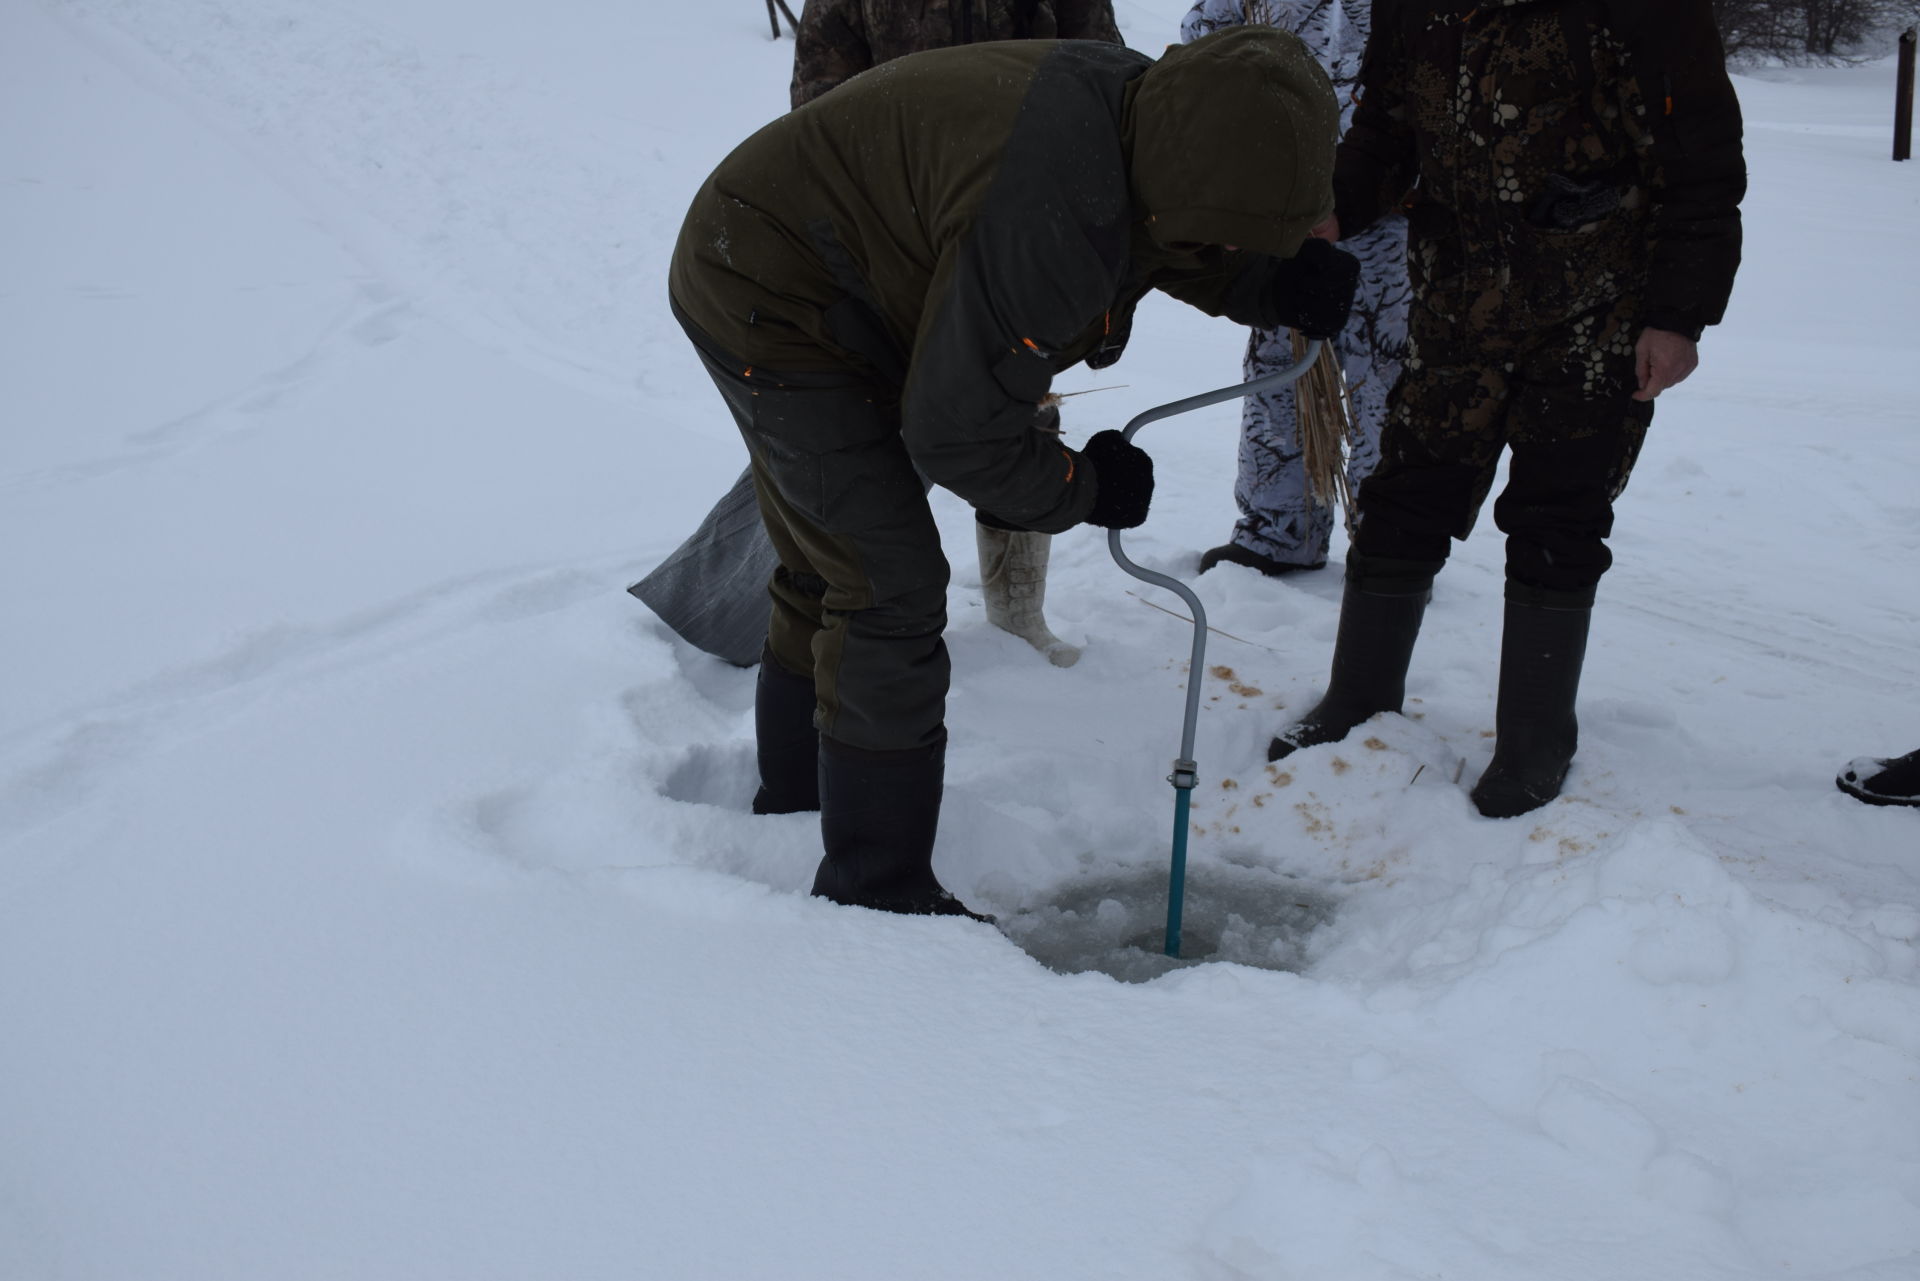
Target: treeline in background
1803,30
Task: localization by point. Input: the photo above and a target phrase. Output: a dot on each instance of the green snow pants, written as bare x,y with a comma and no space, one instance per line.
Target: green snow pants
860,591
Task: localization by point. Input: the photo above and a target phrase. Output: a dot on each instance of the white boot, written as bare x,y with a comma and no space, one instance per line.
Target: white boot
1013,579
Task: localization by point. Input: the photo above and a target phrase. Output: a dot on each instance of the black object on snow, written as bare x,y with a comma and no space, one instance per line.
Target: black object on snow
1883,782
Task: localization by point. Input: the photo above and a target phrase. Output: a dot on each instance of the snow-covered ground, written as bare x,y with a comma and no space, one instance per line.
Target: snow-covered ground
378,897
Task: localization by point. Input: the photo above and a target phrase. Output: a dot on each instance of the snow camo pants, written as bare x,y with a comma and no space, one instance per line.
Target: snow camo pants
1279,516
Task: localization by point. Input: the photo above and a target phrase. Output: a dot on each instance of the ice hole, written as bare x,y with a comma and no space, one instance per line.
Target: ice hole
1116,923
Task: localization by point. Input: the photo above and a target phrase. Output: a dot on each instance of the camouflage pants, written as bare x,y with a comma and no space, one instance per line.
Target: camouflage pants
1279,516
860,590
1560,398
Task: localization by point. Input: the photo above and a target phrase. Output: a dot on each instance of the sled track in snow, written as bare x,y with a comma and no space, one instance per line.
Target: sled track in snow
443,175
1790,636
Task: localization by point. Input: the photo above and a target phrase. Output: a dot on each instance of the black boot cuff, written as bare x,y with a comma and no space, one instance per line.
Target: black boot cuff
1390,576
869,756
1520,593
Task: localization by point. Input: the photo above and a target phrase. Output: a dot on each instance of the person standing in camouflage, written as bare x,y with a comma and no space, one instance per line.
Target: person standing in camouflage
1283,527
1576,171
838,39
712,589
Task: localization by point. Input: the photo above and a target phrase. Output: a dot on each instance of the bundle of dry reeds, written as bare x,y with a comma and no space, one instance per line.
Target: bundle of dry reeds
1325,412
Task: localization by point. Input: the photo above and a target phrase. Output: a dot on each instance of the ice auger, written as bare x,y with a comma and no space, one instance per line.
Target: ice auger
1185,772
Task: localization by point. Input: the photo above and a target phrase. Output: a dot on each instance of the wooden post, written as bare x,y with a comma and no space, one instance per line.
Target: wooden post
774,18
1903,98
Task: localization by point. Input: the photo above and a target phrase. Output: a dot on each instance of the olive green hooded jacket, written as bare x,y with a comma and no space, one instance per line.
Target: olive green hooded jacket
954,227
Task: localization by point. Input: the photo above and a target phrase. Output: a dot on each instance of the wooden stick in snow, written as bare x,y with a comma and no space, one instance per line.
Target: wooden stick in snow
792,22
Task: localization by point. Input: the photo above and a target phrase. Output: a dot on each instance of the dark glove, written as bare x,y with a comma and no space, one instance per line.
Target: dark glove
1313,290
992,521
1123,473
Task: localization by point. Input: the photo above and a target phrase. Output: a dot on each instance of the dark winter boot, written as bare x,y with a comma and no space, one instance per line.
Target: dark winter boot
786,742
1379,623
878,815
1235,554
1541,652
1883,782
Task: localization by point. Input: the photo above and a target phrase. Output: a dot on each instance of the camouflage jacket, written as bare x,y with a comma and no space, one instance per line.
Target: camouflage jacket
838,39
1559,154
